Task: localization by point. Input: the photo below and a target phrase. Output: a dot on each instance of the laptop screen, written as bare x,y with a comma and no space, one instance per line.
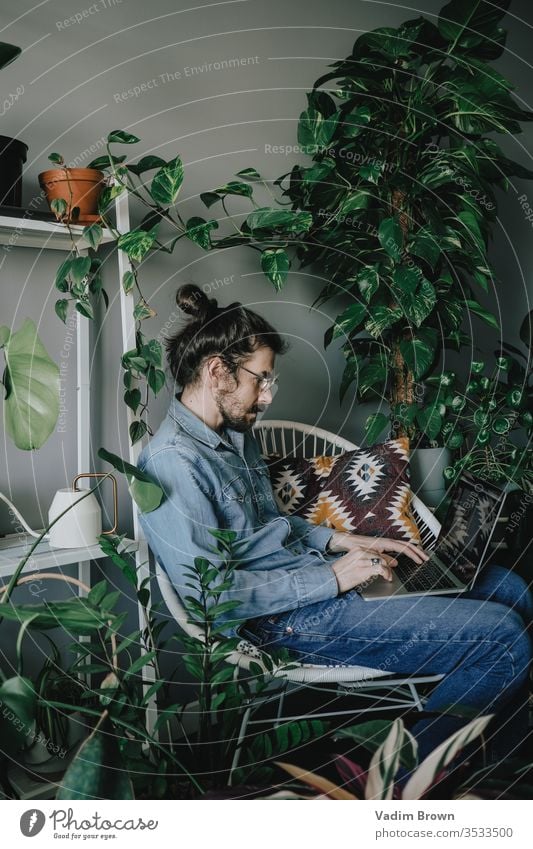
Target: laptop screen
468,526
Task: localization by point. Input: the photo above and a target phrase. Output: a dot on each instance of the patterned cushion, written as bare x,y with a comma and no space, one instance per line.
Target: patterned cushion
365,491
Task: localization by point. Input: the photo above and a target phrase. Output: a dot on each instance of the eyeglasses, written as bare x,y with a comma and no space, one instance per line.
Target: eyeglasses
265,384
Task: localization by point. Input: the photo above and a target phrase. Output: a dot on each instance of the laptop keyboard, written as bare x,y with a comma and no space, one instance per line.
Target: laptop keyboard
428,576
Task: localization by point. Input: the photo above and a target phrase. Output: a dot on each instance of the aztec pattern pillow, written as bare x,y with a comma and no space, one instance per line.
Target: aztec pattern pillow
365,491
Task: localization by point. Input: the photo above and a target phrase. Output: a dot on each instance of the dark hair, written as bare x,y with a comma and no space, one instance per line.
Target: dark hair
233,332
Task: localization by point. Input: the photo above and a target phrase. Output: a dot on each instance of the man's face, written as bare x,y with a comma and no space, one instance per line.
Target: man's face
242,399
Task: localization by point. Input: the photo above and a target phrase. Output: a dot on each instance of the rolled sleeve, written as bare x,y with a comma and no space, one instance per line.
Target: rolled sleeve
314,536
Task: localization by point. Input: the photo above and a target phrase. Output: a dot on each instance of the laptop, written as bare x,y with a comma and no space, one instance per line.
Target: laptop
461,549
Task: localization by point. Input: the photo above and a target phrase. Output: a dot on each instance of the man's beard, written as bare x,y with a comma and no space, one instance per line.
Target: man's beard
237,419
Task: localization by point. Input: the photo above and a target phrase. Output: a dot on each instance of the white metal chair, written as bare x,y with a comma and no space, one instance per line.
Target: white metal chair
381,689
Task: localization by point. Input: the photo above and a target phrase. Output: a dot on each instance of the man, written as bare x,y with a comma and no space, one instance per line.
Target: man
297,582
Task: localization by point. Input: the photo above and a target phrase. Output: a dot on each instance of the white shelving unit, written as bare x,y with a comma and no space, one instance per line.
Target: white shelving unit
27,232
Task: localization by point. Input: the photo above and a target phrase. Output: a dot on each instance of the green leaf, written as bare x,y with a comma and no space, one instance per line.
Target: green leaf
97,771
108,195
137,243
58,207
128,281
156,380
141,661
32,386
368,282
235,188
381,318
153,352
390,237
419,352
483,313
526,331
61,309
76,615
249,174
79,268
146,163
56,158
350,320
276,264
146,494
314,130
121,137
209,198
132,399
468,23
198,230
356,121
17,718
285,220
355,200
93,233
430,421
372,376
137,431
167,182
142,310
105,162
85,309
5,333
415,295
426,246
375,425
371,172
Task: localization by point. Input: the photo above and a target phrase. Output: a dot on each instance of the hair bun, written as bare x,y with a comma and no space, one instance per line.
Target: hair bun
194,302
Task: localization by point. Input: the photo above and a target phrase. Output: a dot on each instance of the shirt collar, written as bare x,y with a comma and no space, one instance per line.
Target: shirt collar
200,431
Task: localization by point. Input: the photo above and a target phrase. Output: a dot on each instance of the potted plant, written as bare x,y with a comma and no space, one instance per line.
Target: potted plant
397,205
72,193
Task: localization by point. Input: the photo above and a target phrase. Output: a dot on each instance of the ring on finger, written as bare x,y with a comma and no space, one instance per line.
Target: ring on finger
376,561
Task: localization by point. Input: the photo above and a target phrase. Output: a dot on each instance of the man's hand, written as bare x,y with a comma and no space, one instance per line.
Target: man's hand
351,542
359,565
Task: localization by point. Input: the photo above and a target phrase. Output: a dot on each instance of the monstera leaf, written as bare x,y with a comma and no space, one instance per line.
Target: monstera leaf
31,381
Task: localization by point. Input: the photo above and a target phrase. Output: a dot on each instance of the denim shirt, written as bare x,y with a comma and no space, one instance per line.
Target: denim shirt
213,480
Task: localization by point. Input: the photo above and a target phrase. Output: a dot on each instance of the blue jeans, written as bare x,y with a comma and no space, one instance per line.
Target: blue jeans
478,640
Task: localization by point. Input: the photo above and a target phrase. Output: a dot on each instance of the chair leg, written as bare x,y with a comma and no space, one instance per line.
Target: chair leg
416,696
279,712
240,739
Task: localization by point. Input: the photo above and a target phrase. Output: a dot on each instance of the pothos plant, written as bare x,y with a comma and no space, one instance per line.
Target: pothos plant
397,206
79,278
489,419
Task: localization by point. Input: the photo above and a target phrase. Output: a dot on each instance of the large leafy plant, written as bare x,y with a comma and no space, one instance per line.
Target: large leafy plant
397,206
120,758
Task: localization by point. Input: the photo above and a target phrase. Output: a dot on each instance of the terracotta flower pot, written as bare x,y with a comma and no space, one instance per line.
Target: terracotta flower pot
78,187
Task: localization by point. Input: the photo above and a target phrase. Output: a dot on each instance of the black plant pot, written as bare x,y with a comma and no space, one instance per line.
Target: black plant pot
12,157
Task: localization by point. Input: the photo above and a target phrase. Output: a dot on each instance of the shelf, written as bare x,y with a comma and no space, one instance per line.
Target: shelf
14,546
31,233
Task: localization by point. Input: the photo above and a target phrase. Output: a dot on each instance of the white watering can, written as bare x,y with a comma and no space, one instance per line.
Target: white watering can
81,525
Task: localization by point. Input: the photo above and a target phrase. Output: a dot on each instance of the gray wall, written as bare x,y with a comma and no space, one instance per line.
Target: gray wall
76,76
